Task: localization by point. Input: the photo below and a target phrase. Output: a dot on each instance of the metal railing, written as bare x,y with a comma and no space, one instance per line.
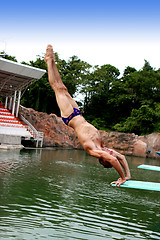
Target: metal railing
38,136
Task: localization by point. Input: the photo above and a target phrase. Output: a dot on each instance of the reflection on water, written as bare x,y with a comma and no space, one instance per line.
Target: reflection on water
66,194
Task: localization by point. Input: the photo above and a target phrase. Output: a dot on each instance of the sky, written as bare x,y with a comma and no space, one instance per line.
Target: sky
118,32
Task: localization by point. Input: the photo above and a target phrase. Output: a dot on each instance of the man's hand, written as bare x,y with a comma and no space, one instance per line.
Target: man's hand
119,182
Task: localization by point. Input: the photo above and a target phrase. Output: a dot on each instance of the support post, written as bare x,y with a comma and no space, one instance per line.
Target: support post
14,101
41,143
10,103
18,103
6,102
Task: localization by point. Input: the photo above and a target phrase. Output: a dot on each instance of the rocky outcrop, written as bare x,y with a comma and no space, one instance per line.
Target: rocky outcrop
57,134
153,143
125,143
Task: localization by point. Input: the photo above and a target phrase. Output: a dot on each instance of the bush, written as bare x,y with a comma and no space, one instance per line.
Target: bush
141,121
99,123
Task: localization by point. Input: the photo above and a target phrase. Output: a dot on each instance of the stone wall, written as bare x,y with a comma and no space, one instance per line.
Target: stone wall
57,134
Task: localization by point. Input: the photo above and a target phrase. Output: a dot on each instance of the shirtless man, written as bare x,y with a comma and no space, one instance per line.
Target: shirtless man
88,135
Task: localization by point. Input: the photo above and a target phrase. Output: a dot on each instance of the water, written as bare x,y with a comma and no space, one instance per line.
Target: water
66,194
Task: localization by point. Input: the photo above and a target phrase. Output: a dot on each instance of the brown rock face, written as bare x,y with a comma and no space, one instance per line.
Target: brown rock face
57,134
153,143
122,142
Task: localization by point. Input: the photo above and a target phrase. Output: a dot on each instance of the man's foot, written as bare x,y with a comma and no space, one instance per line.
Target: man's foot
49,54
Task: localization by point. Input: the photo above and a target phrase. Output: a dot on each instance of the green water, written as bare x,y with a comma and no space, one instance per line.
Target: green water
66,194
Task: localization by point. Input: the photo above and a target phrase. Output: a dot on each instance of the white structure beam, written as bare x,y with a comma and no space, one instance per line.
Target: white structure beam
18,103
14,102
10,103
6,102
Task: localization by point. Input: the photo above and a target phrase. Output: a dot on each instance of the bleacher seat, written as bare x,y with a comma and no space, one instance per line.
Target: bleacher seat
10,125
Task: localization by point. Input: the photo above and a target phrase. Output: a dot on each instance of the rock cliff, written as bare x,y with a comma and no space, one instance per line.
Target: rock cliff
57,134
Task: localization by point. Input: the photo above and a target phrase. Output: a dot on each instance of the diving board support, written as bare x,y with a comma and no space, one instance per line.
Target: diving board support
152,186
149,167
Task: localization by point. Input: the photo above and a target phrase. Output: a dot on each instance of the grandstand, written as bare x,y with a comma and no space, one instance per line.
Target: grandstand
15,78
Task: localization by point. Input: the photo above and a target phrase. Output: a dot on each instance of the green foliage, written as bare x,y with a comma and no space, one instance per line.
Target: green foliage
97,90
74,73
147,66
98,123
6,56
141,121
157,115
128,71
129,101
39,95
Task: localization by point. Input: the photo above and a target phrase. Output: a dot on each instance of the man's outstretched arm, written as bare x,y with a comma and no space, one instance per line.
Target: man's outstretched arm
113,161
121,158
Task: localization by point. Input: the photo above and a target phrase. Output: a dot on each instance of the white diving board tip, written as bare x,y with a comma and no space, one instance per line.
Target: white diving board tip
149,167
152,186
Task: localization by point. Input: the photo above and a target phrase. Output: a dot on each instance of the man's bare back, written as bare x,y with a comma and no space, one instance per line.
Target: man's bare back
88,135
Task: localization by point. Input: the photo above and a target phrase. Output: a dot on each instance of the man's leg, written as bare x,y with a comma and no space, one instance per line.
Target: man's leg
64,100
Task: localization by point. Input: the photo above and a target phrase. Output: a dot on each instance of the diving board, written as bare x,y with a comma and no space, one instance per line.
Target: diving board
149,167
153,186
158,153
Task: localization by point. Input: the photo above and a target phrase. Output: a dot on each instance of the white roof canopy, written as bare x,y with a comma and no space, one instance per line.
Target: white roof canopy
15,76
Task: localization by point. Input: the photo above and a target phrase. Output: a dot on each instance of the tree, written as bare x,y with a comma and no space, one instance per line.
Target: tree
147,66
142,89
140,122
128,70
39,95
144,85
73,73
98,93
157,116
6,56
